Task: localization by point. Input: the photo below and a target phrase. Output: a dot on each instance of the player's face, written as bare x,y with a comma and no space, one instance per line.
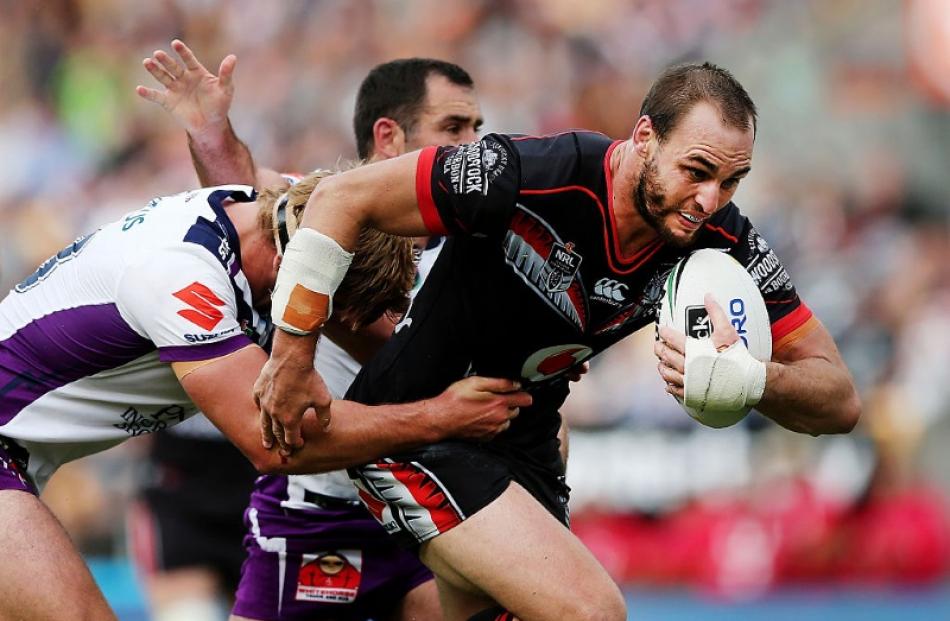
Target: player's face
692,174
450,116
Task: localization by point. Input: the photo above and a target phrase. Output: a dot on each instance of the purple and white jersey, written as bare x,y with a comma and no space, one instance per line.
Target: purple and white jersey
337,368
87,340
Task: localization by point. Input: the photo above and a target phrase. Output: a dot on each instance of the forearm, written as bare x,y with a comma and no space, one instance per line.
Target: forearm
219,157
359,434
811,396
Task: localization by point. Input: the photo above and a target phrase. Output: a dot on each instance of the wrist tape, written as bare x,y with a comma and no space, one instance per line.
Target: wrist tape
313,267
721,381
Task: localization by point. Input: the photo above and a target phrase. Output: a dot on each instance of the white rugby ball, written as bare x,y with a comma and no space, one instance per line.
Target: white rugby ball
713,271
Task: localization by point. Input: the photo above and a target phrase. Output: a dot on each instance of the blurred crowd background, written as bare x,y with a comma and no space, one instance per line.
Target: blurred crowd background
850,185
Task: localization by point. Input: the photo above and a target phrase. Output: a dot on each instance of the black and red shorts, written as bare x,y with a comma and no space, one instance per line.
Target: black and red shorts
423,493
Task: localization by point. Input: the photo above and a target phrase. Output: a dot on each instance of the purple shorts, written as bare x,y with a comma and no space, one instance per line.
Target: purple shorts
13,461
333,563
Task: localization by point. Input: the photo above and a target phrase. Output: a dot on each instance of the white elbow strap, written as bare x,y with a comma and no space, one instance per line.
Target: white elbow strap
721,381
313,267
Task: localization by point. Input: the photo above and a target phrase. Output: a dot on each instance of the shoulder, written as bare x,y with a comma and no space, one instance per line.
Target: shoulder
575,156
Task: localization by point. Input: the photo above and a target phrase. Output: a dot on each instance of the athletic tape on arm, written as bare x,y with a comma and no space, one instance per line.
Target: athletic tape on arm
721,381
313,267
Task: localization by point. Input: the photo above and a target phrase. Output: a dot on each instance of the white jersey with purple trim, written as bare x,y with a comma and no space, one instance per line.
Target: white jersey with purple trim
338,368
87,340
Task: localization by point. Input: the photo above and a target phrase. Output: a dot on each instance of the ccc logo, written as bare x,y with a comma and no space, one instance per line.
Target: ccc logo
609,288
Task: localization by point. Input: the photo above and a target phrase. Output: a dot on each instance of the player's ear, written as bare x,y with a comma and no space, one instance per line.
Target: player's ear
643,134
277,259
389,140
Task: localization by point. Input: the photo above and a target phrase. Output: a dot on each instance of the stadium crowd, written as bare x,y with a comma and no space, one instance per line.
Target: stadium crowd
849,184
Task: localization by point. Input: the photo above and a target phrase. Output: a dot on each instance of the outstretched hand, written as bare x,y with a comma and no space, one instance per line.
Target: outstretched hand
198,99
670,348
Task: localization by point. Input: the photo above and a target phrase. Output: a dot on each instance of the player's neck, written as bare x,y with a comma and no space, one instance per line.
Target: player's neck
257,245
633,232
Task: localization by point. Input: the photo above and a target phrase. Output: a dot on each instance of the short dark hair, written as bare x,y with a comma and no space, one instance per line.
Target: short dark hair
397,90
680,87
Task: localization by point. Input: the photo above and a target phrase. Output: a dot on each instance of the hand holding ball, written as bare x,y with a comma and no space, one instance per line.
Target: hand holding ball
714,337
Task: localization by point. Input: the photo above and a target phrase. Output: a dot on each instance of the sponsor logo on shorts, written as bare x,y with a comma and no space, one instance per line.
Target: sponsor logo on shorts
331,576
203,302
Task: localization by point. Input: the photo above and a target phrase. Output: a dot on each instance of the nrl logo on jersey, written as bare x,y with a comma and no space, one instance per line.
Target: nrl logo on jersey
561,267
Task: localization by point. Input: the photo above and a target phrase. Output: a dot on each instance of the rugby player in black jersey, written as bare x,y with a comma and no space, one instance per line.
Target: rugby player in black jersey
536,224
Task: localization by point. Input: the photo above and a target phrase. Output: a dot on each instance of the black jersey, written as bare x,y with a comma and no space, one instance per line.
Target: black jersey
532,279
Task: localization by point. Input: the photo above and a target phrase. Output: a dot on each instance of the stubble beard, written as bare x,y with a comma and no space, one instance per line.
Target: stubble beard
650,200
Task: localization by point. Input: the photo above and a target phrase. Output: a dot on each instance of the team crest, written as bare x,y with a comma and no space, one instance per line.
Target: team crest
332,577
561,267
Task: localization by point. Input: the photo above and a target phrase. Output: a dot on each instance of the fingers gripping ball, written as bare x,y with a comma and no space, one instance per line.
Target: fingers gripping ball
720,386
312,268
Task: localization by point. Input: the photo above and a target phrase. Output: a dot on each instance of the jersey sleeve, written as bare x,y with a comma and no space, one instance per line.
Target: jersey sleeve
790,317
468,189
183,303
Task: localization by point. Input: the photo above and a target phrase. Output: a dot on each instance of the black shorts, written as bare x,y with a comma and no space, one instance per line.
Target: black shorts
420,494
192,514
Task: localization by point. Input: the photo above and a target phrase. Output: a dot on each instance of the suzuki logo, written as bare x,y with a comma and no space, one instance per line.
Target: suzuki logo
203,302
611,289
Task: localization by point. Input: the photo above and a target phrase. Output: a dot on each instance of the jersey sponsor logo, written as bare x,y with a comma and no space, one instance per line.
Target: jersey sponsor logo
204,338
698,325
331,576
610,291
764,266
203,302
472,167
645,308
135,423
552,361
48,266
548,265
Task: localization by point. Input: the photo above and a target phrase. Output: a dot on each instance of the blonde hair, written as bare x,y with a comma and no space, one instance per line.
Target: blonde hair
382,272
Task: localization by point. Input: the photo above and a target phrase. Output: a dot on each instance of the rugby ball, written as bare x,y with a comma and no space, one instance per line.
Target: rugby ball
717,272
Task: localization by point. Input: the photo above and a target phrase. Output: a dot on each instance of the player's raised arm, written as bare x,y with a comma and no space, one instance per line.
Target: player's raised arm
200,102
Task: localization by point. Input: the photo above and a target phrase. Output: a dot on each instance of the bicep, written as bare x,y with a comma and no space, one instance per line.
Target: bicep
222,389
381,195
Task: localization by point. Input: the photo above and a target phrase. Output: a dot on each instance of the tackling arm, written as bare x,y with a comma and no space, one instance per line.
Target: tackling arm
475,408
381,195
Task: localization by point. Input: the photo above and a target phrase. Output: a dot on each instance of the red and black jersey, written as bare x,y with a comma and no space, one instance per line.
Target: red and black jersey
532,279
